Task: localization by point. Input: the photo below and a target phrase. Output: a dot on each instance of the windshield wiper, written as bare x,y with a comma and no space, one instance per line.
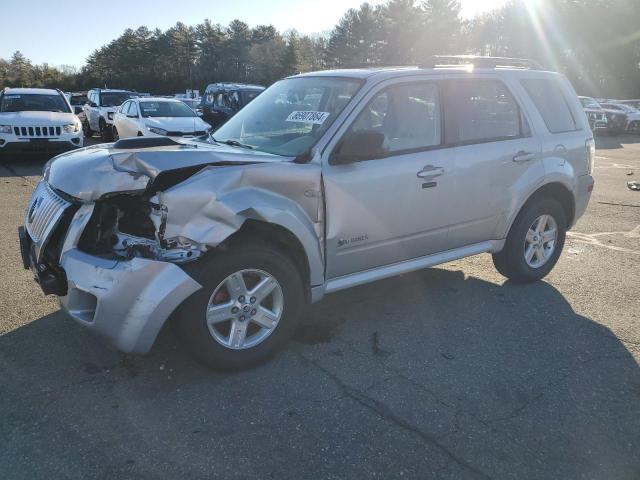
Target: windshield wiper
233,143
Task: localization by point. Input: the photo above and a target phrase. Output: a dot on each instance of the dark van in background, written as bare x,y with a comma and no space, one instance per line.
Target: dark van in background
221,101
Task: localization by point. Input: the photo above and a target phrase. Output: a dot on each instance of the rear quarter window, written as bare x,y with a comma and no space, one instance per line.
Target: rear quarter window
550,101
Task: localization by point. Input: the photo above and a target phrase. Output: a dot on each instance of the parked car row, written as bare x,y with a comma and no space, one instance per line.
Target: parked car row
612,116
48,120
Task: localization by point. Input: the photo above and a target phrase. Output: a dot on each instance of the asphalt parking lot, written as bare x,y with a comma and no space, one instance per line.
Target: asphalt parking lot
446,373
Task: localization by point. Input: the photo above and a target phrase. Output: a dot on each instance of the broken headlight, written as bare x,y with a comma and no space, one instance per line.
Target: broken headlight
131,226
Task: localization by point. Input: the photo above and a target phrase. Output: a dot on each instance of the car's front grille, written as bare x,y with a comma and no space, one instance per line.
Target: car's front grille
37,132
43,213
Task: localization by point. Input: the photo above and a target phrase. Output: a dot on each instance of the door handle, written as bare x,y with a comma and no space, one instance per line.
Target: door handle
430,172
522,157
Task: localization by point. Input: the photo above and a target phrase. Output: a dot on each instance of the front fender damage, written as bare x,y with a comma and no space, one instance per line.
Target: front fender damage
213,204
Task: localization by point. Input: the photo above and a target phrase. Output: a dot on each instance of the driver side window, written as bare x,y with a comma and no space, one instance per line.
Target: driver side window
408,115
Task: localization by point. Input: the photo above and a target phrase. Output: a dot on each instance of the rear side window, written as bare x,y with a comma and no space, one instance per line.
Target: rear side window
481,111
549,99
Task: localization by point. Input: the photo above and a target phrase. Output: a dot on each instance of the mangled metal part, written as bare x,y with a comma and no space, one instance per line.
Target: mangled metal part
108,171
213,204
178,250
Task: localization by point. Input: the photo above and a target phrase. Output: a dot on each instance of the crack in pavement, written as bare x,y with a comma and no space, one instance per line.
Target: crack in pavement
455,409
619,204
544,390
385,413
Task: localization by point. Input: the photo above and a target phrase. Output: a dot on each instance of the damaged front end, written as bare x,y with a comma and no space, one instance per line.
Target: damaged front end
129,226
129,220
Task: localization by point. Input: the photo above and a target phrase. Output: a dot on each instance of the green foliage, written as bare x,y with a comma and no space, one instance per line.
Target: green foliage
595,42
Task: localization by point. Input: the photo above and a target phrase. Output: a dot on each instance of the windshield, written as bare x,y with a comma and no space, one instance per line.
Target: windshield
33,103
290,116
165,109
589,103
114,99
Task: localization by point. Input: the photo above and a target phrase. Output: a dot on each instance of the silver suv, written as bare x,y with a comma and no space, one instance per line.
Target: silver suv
325,181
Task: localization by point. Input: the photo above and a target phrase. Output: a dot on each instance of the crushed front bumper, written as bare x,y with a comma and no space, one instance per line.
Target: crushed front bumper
127,302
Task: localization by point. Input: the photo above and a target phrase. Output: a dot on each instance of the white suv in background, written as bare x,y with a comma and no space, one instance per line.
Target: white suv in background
37,120
143,117
100,109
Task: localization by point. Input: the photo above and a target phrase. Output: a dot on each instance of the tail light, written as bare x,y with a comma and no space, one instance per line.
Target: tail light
591,153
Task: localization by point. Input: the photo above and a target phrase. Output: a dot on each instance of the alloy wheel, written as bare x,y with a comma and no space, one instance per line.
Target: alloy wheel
540,241
244,309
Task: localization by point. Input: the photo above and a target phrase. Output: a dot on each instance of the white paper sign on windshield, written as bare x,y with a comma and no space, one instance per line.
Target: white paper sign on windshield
308,116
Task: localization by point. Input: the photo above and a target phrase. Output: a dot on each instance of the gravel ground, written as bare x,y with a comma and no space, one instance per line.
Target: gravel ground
449,372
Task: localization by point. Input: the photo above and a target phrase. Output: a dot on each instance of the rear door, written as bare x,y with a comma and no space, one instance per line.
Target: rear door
494,149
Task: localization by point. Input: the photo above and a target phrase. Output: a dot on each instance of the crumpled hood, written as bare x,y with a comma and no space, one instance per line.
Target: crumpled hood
90,173
36,119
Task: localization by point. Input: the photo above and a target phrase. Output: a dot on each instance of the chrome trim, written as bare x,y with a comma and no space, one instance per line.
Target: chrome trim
43,214
360,278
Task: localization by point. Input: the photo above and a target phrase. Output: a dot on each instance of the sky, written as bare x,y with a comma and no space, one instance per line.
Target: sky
65,32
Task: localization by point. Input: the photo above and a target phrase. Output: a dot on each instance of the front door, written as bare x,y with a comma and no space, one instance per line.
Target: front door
393,206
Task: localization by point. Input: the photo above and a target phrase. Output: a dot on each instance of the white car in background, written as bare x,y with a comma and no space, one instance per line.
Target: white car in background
100,109
37,120
142,117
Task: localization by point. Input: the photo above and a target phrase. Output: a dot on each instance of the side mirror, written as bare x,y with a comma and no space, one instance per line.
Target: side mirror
359,146
200,114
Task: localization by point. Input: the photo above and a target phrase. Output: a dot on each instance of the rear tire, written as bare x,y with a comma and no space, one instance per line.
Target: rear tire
207,320
530,252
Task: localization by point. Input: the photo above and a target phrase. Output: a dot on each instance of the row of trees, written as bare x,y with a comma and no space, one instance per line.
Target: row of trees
595,42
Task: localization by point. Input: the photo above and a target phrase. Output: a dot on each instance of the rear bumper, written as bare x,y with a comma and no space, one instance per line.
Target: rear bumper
582,195
127,302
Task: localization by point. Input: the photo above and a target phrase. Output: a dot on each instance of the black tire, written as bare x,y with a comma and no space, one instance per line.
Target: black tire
116,135
190,319
87,129
511,262
105,131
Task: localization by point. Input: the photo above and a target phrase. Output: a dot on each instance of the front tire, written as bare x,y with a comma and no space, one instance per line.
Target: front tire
87,129
246,311
534,242
105,132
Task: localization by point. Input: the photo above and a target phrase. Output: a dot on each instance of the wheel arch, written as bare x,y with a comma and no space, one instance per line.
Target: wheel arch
278,237
555,190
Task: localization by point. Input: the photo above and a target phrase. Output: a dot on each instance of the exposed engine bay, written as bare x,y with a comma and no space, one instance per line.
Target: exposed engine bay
128,226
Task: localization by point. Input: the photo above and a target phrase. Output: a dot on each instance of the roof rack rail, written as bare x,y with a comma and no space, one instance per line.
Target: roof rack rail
481,62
